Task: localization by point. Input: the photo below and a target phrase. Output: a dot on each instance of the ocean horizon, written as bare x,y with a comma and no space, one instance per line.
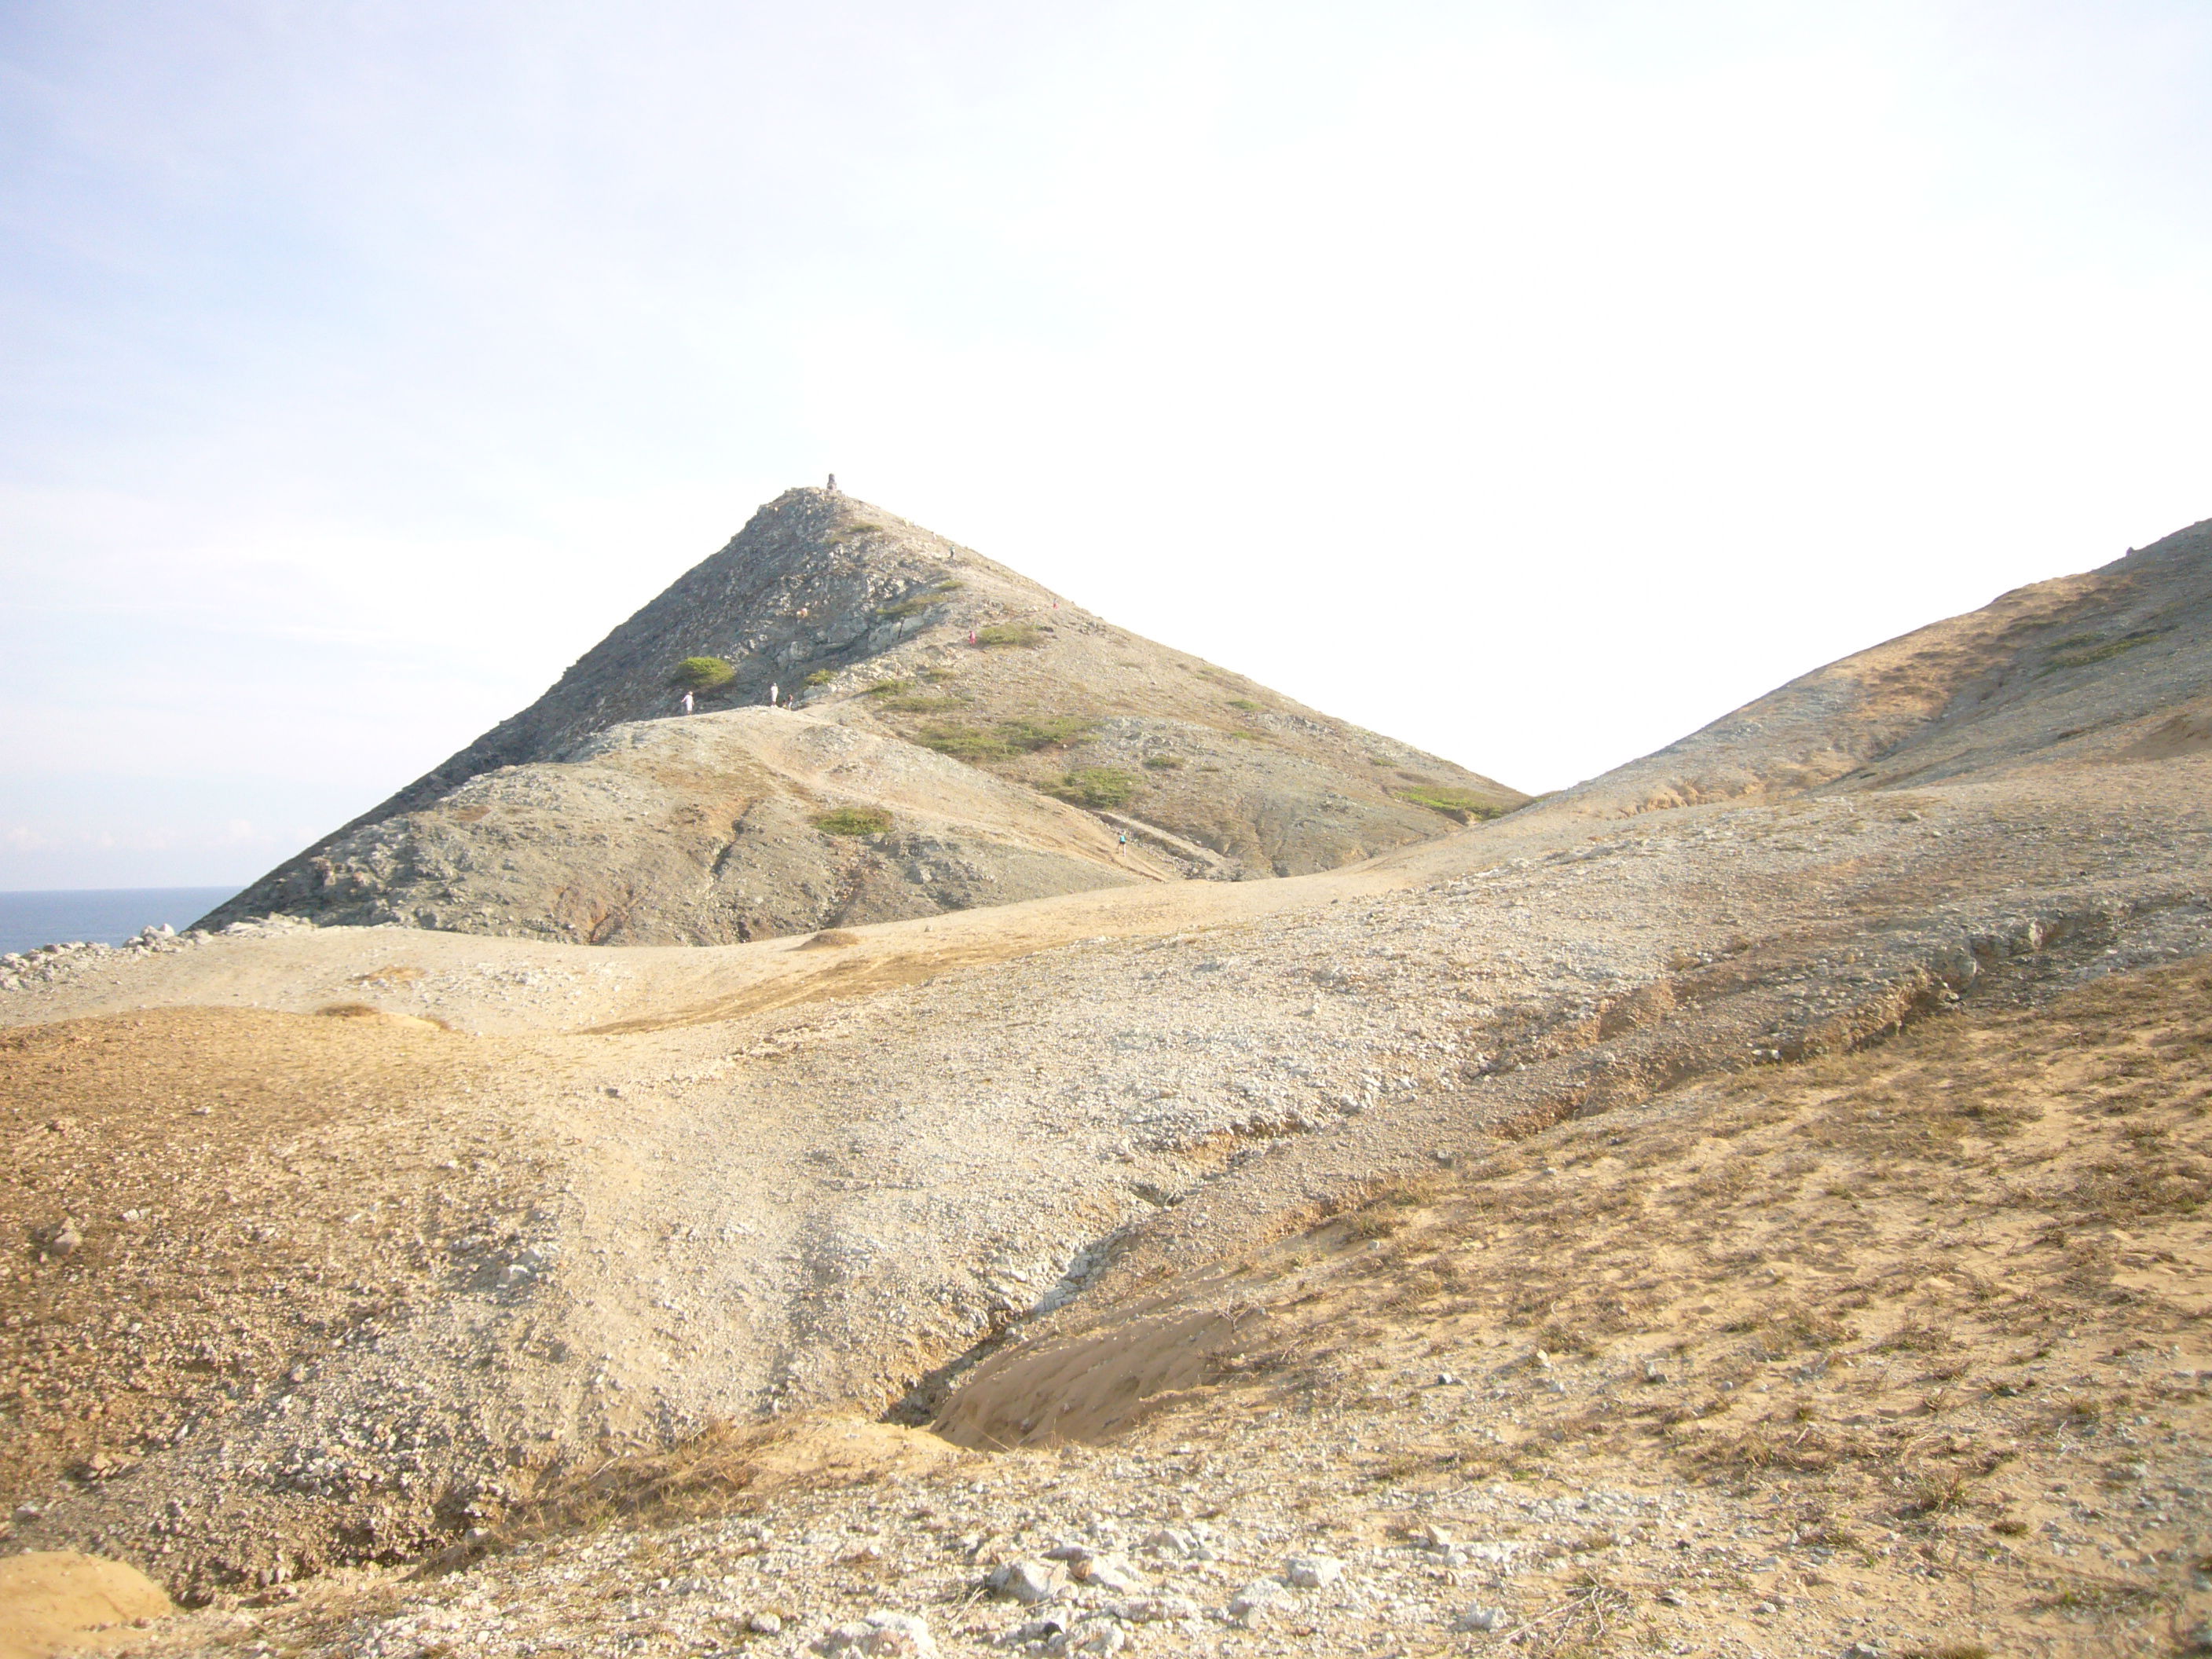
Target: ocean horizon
100,915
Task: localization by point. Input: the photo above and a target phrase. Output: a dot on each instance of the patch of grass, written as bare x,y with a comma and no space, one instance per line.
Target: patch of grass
924,705
1162,763
967,742
1245,737
702,673
912,606
820,677
853,821
1054,732
999,636
1096,786
886,688
2083,649
1246,704
1462,805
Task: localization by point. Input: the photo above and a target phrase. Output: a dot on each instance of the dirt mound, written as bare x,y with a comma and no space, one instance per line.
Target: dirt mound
52,1601
577,819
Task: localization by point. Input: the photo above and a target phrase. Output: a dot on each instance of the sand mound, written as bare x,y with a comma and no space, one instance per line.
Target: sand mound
52,1601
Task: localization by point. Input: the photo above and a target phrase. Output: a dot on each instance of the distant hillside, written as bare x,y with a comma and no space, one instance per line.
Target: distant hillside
2113,664
596,814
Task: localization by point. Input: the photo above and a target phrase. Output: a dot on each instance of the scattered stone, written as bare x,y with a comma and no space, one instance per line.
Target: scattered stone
764,1623
1157,1609
1092,1635
880,1636
1027,1582
1478,1617
1253,1603
1312,1571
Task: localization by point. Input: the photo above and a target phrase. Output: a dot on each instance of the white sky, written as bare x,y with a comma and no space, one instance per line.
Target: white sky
1535,382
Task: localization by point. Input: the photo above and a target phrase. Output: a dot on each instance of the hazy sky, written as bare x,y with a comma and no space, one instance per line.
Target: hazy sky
1534,382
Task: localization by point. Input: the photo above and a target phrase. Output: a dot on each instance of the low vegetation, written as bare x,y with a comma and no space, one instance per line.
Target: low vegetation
1006,636
819,677
886,688
1011,736
2083,649
853,821
912,606
1163,762
922,704
702,673
1246,704
1462,805
1096,786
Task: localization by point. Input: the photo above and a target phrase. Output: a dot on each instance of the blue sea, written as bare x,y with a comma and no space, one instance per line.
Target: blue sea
100,915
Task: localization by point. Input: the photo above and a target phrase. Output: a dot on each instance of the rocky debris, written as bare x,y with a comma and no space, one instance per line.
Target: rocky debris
63,963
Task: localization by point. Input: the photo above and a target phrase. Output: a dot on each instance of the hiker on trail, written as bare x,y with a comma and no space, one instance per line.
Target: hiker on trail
771,694
1125,838
971,637
687,702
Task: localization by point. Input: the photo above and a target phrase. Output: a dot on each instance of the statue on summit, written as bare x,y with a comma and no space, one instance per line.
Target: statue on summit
832,483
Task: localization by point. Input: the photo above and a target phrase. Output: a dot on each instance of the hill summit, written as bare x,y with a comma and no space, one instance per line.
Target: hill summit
883,724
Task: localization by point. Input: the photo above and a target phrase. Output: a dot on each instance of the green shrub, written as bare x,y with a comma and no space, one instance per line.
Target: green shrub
1162,763
1246,704
1096,786
820,677
939,676
923,705
886,688
2083,649
702,673
853,821
914,605
1053,733
966,743
1463,805
1245,737
999,636
1013,737
951,584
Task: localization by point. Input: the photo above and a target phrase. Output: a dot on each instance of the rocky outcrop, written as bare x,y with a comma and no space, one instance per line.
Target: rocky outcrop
992,726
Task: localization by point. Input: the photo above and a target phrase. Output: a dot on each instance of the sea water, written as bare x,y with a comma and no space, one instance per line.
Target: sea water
100,915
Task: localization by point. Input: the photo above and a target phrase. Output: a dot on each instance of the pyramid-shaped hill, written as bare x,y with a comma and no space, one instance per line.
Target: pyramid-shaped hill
947,733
